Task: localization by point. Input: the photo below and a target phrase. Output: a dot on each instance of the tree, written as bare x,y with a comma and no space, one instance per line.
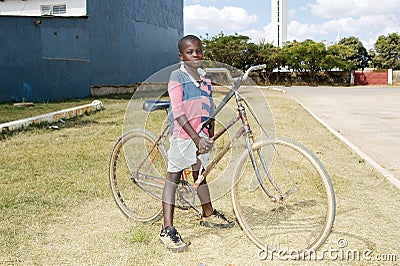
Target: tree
234,50
315,54
270,55
357,56
292,55
237,51
387,52
305,56
336,57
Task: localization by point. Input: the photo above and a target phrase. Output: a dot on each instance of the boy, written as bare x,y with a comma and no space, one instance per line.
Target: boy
191,104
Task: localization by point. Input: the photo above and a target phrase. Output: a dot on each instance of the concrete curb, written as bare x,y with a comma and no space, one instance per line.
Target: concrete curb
283,91
392,179
96,105
226,88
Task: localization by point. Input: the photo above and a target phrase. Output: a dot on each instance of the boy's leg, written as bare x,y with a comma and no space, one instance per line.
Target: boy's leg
202,191
168,197
169,235
210,217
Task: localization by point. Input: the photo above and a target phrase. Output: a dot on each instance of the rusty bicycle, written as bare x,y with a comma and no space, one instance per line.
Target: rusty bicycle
282,195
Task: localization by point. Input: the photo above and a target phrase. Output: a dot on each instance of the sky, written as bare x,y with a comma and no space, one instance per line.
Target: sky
319,20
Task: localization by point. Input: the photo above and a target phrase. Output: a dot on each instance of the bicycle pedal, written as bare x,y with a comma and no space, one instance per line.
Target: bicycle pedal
195,215
185,208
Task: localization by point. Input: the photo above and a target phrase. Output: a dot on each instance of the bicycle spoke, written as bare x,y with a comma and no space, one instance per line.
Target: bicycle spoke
302,214
137,171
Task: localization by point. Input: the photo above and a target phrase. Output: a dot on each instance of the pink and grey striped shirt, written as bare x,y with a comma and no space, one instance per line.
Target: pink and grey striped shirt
189,98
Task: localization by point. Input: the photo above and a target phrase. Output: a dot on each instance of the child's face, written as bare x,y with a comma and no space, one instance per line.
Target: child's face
192,53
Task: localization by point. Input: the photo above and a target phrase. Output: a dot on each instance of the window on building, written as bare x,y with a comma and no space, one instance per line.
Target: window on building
45,10
53,9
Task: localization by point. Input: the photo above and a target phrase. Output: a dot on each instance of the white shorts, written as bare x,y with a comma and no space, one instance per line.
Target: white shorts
182,154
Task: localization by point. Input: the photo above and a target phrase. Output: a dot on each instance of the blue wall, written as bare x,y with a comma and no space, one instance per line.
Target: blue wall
118,43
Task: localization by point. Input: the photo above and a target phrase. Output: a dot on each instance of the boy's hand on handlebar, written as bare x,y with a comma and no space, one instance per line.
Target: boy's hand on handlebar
205,145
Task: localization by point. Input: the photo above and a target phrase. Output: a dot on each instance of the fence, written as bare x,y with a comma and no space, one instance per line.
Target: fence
371,77
330,78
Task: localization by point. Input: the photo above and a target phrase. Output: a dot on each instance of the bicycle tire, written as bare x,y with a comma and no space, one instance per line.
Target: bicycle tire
137,195
305,219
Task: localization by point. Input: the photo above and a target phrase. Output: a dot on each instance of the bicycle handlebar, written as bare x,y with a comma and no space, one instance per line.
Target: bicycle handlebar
253,68
230,94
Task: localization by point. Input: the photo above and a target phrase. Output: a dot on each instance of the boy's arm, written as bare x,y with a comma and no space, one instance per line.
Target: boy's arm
203,144
175,92
184,123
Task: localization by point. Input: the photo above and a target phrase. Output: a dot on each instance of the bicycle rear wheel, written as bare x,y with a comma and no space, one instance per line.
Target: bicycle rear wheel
302,215
137,172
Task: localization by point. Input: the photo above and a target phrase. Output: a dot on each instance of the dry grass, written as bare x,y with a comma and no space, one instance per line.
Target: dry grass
56,206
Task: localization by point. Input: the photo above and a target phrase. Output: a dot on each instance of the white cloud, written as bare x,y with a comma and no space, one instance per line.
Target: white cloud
208,19
354,8
292,13
266,34
296,31
299,31
364,19
366,28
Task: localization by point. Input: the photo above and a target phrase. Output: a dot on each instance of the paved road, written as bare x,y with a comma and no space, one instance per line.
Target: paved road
367,116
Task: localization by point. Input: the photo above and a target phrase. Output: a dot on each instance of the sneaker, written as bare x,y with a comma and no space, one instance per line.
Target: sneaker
172,239
217,220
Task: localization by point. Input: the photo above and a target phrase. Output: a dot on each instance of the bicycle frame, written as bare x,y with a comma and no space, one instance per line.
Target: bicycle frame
244,130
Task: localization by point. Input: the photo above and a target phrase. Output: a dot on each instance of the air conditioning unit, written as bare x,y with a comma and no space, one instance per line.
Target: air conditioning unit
45,10
49,10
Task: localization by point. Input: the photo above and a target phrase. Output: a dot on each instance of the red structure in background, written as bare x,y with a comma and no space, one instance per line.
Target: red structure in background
371,77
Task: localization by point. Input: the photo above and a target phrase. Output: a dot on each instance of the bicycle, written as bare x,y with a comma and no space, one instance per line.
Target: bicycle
282,195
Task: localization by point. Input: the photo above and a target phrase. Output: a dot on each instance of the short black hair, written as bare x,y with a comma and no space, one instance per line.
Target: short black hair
190,38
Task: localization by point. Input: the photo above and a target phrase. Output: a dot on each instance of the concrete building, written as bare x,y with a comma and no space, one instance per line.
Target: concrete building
279,21
52,51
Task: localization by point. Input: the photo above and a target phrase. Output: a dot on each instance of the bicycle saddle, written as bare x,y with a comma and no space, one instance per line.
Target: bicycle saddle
153,105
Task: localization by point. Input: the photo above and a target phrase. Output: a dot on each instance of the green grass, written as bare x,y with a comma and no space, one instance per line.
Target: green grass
56,206
9,112
45,172
139,235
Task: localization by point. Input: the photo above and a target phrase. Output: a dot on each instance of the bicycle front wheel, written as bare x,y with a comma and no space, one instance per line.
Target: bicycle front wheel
301,213
137,172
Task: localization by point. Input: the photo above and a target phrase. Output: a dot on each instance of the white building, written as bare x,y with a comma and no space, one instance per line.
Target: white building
279,21
43,8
